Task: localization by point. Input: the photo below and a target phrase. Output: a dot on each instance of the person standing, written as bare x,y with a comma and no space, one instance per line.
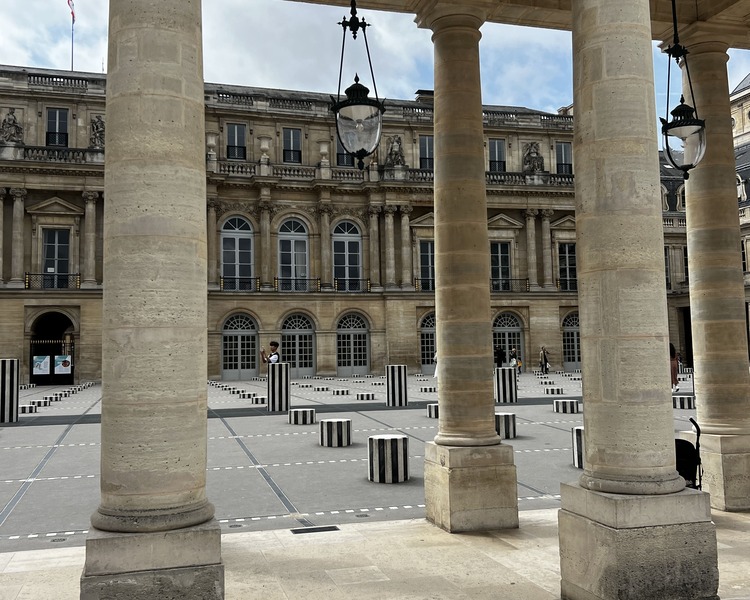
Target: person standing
544,360
274,356
673,367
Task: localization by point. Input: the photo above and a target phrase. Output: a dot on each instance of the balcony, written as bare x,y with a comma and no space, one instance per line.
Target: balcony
567,285
239,284
292,284
351,285
509,285
52,281
424,284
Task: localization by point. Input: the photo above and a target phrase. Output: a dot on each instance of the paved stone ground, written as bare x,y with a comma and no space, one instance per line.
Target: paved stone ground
263,473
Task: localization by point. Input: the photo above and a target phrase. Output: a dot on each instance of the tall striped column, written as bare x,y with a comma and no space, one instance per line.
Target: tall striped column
9,372
506,385
279,387
395,377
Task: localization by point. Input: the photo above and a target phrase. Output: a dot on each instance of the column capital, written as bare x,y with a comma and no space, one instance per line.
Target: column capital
325,208
389,210
90,196
212,204
530,213
438,14
18,193
374,210
704,37
547,214
406,209
2,192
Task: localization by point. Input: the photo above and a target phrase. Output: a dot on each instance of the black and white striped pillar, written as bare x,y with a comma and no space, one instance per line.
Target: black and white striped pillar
9,373
279,387
335,433
578,446
395,376
506,385
388,457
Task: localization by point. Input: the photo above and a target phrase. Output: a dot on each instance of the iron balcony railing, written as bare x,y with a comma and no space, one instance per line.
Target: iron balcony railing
239,284
509,285
567,285
351,285
292,284
52,281
424,284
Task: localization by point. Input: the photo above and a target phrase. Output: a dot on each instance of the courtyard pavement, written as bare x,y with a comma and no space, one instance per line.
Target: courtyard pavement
269,479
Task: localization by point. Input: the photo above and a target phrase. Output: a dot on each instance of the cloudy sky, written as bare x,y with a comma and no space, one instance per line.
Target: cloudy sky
289,45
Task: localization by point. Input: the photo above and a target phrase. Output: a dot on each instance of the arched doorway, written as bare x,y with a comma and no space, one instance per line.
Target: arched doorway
428,343
298,345
571,342
52,350
239,348
507,333
352,356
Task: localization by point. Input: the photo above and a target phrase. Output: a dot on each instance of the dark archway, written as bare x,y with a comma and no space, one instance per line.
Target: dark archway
52,350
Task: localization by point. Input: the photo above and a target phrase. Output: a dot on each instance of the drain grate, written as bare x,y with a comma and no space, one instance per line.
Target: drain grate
58,539
362,515
235,525
315,529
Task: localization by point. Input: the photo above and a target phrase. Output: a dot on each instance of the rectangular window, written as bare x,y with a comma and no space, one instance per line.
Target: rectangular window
292,145
568,274
57,127
500,266
343,158
497,156
236,144
667,270
744,258
564,153
427,265
426,152
56,258
685,262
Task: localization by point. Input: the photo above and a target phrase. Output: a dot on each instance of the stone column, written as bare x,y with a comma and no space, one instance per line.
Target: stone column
2,225
470,478
374,212
17,248
531,266
212,251
266,252
407,276
89,240
717,294
165,542
390,249
324,210
629,499
548,281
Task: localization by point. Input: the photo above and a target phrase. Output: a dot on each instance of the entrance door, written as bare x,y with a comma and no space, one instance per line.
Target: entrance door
297,346
351,346
52,350
571,343
427,344
239,349
507,333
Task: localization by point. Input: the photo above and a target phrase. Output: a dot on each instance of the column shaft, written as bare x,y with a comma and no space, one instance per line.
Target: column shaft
547,249
374,246
89,240
265,240
19,211
153,459
212,251
326,275
390,249
531,265
2,225
407,277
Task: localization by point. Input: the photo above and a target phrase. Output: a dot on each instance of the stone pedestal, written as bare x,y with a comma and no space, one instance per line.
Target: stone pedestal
622,547
726,470
182,563
470,488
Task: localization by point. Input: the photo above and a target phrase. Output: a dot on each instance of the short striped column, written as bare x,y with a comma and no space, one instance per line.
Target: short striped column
395,376
433,411
683,402
505,425
279,387
335,432
301,416
27,408
565,406
553,391
578,446
506,385
388,458
9,373
365,395
340,392
39,403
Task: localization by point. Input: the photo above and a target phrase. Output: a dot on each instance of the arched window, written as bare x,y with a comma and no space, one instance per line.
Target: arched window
352,356
347,258
428,343
293,258
237,255
239,348
298,345
507,333
571,342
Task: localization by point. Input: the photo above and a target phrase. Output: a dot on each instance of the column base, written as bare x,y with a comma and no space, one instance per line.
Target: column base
616,547
183,563
89,284
726,469
470,488
16,284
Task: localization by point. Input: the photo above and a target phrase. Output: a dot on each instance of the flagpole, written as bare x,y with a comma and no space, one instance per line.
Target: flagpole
72,26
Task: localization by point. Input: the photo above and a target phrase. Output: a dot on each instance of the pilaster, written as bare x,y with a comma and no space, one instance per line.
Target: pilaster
89,239
390,248
17,248
407,277
374,212
548,281
531,265
212,250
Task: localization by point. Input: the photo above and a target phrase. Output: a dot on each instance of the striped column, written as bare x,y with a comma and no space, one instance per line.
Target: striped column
335,433
388,457
279,387
578,446
396,384
506,385
9,371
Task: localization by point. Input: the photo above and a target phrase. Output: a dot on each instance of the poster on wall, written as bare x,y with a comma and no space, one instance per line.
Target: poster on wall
41,365
62,364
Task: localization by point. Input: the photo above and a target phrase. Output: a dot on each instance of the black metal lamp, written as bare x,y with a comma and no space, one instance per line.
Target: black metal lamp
685,129
359,118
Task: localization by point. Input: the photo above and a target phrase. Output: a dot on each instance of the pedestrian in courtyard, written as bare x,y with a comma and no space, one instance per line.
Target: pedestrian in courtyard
513,357
673,367
544,360
273,357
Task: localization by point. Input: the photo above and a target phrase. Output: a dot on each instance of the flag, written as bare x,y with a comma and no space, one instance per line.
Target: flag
72,10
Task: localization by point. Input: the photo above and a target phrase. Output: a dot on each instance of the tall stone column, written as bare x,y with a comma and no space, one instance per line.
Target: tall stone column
407,276
212,251
548,281
324,210
717,294
16,254
374,212
266,252
470,478
390,248
154,531
531,266
630,498
89,240
2,225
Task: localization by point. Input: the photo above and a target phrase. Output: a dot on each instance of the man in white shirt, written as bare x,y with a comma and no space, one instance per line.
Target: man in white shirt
273,357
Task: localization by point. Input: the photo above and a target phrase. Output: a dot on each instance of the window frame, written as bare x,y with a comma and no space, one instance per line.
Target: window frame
291,145
564,150
497,155
236,151
427,152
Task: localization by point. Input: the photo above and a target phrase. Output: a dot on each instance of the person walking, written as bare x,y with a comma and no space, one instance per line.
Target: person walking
544,360
673,368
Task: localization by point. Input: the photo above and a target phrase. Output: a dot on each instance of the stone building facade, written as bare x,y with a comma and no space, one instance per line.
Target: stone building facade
335,262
